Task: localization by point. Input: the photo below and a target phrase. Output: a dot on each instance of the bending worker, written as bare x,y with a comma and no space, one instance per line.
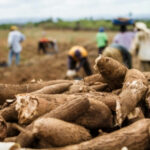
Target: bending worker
77,58
44,44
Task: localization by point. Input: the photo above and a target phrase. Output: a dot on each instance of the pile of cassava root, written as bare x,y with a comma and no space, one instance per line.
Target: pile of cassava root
109,110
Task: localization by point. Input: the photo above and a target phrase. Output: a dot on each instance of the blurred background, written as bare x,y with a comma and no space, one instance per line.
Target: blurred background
67,22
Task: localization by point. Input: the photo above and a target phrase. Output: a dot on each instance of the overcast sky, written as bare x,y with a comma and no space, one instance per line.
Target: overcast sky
72,9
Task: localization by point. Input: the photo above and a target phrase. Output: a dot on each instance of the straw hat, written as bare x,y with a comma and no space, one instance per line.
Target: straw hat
140,25
12,28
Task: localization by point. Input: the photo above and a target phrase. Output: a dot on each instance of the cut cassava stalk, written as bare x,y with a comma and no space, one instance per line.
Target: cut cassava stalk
8,91
97,116
133,137
69,111
111,70
134,89
30,107
53,89
58,132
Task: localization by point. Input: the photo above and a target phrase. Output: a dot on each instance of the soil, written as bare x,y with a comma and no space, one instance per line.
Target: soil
36,66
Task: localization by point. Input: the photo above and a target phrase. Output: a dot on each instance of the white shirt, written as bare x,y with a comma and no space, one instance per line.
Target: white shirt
124,39
14,40
142,44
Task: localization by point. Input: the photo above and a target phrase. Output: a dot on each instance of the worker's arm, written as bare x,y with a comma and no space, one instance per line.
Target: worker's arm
70,59
22,37
82,61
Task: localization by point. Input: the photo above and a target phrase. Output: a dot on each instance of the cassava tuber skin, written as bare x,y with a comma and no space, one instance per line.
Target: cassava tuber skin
107,98
54,89
79,87
8,91
135,137
98,116
58,132
11,130
134,89
100,87
10,139
135,115
3,128
69,111
9,113
111,70
147,101
29,107
90,80
147,76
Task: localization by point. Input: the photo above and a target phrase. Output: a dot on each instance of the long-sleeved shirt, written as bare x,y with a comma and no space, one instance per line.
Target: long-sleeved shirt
124,39
141,44
14,40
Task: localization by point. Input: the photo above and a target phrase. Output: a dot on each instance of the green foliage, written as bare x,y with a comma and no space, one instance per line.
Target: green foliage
5,26
82,24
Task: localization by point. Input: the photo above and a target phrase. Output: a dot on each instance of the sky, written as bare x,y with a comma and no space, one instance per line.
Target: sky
72,9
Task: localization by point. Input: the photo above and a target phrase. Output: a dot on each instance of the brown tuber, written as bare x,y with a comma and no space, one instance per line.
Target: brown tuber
111,70
134,89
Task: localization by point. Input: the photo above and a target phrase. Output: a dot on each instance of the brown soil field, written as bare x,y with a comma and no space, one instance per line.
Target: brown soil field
46,67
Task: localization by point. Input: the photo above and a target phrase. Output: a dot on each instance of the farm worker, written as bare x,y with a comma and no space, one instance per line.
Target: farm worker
45,43
124,37
141,45
78,55
118,53
15,38
101,39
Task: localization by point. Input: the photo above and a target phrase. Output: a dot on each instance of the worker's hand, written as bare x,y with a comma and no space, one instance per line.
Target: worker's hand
71,73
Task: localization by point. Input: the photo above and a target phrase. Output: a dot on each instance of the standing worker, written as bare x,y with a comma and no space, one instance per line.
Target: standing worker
15,38
78,55
101,39
120,48
141,45
124,37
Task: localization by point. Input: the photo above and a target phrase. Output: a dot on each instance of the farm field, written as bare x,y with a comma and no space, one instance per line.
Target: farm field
46,67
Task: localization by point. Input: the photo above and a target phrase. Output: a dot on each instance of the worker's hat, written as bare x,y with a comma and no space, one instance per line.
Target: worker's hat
140,25
12,28
101,29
